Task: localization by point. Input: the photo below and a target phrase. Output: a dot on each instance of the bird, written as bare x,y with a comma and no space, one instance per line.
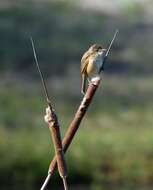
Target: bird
91,64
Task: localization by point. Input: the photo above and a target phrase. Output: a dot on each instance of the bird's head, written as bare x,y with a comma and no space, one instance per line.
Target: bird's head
96,48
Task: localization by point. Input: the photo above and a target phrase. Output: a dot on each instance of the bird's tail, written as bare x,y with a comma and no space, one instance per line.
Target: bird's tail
83,84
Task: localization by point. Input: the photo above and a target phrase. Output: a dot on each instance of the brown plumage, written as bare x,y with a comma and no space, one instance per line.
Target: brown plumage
91,63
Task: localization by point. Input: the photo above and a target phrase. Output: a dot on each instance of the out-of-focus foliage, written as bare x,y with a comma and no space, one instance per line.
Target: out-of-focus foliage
115,138
62,31
113,145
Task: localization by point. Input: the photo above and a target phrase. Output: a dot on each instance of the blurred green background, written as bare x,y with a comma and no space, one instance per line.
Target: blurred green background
113,148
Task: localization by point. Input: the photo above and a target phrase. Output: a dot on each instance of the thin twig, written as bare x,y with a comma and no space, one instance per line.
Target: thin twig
54,128
65,183
40,73
46,182
108,50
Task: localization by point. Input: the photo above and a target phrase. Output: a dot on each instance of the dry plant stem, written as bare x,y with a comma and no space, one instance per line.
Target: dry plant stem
54,127
74,125
46,182
65,183
56,138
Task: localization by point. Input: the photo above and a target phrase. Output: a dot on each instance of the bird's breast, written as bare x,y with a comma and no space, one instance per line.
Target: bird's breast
91,67
94,65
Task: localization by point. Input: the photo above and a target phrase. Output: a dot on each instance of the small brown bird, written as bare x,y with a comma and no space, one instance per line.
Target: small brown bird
91,63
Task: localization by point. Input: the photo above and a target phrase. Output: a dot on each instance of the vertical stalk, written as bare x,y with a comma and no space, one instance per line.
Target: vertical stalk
74,125
56,138
53,126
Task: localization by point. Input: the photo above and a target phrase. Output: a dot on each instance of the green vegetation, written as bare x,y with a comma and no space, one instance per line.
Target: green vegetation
62,32
113,144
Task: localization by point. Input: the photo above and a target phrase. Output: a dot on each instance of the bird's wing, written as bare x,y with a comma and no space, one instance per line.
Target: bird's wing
84,61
